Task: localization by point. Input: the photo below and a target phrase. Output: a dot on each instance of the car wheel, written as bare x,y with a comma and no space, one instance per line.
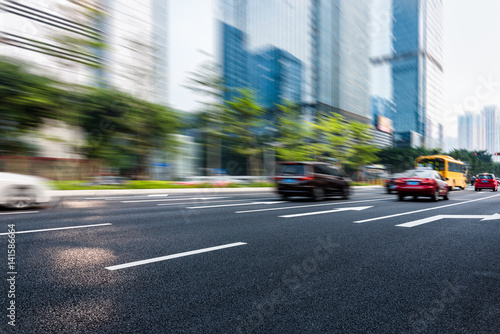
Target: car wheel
400,197
476,189
20,199
446,196
284,197
435,196
346,193
388,190
318,194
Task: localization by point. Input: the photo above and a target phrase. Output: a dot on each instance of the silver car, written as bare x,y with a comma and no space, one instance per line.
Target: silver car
22,191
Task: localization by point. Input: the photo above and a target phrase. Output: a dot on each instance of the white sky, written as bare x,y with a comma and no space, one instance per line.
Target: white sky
471,52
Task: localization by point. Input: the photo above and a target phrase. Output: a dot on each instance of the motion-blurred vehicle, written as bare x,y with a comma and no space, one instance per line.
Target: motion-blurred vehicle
311,179
452,170
422,182
486,181
390,182
22,191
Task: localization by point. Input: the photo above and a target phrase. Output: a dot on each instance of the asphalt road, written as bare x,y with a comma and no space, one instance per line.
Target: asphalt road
224,262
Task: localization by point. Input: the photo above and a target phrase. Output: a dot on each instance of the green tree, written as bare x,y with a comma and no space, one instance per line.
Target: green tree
242,121
330,136
360,151
292,134
27,99
207,82
123,131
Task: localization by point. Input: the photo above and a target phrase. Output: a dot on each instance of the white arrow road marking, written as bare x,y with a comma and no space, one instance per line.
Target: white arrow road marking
428,209
312,205
439,217
58,228
236,204
173,256
359,208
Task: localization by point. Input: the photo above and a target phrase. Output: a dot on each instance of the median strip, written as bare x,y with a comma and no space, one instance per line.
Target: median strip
174,256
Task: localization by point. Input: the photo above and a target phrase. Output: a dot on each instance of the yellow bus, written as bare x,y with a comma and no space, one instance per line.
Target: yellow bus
452,170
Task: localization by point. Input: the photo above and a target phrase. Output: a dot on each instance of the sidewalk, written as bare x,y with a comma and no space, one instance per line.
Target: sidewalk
62,193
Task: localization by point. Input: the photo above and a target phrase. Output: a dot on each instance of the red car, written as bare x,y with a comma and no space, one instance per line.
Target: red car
422,182
486,181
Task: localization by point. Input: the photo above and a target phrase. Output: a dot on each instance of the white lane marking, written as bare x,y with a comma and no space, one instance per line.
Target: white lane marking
58,228
174,256
439,217
312,205
327,211
227,200
423,210
235,204
138,196
159,195
172,199
17,212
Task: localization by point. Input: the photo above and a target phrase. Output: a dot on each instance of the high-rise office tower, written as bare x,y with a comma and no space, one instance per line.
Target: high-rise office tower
134,34
313,52
415,59
340,57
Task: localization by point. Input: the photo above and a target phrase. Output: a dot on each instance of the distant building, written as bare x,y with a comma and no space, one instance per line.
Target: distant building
491,119
471,134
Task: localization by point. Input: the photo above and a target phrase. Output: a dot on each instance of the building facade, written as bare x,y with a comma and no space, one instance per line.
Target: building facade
134,59
491,123
312,52
409,71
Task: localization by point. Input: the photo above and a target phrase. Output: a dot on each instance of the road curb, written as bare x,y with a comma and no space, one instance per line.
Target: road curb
108,192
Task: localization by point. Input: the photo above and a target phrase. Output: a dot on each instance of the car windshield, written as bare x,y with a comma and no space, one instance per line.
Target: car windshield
488,177
420,173
291,170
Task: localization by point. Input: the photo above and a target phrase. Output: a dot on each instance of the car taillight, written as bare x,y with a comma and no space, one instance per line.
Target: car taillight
277,178
305,178
427,182
399,182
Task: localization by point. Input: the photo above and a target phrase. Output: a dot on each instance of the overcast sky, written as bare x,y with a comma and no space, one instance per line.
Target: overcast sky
471,53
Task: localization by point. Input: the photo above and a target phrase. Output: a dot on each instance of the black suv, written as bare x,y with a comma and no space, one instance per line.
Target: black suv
313,179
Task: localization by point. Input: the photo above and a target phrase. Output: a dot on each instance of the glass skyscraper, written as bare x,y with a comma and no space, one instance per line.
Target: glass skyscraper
313,52
414,58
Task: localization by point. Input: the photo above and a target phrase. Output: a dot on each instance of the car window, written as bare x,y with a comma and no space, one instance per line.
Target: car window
292,170
488,177
334,172
320,169
421,173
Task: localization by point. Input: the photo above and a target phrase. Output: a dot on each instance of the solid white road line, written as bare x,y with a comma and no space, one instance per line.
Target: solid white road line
439,217
159,195
58,228
174,256
17,212
312,205
423,210
225,201
171,199
327,211
236,204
